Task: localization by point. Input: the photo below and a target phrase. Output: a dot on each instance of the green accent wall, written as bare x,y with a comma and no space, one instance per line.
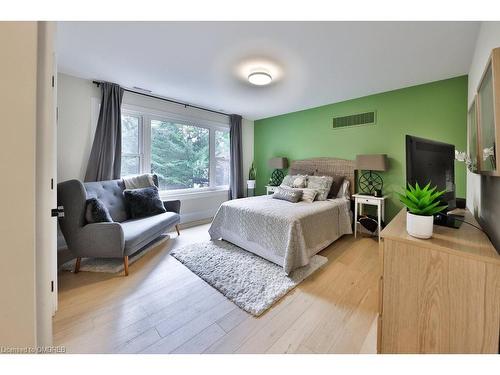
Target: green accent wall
436,110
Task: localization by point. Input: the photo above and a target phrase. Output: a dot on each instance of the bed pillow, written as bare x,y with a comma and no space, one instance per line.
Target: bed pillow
143,202
344,190
337,183
308,195
289,180
287,194
322,184
96,212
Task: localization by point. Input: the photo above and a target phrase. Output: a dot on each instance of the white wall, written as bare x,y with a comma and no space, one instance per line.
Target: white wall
18,74
488,38
77,100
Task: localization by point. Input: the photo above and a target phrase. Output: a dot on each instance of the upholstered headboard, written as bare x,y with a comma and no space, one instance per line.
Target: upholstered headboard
340,167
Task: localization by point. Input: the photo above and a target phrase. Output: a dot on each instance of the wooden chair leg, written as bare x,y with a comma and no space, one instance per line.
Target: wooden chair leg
77,264
125,264
177,229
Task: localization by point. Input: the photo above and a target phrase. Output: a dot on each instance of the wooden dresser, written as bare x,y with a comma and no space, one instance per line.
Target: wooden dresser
440,295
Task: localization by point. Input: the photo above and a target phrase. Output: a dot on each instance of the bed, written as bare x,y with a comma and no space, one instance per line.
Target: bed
285,233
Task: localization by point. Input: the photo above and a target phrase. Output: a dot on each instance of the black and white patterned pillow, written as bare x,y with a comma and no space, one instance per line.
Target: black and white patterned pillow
287,194
321,184
294,181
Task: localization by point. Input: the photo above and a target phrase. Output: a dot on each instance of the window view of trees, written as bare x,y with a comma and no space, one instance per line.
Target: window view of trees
180,155
130,145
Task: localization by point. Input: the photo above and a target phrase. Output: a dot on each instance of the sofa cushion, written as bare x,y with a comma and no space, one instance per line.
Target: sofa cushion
111,195
96,212
139,232
143,202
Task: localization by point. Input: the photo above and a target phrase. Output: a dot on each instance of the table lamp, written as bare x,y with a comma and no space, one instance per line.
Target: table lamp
370,182
278,164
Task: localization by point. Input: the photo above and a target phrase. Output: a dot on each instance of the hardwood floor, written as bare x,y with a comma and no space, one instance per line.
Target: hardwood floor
162,307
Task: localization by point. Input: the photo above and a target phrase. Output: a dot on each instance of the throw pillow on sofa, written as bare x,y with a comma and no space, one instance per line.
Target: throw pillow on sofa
96,212
143,202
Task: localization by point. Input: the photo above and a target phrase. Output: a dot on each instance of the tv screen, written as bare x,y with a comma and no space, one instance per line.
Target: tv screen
434,162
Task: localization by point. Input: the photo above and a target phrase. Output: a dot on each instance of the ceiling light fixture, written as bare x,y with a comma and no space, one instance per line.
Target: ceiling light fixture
260,78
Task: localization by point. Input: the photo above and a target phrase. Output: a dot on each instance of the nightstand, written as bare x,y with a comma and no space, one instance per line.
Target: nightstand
270,189
379,202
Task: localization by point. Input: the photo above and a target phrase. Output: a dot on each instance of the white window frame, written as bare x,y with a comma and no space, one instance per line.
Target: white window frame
146,115
140,146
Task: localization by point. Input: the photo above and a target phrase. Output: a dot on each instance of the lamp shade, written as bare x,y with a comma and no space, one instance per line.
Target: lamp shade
372,162
278,163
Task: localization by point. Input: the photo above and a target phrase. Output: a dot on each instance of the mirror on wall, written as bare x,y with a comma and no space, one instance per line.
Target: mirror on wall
487,107
472,136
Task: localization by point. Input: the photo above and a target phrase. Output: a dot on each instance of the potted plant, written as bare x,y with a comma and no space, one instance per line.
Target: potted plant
422,204
251,177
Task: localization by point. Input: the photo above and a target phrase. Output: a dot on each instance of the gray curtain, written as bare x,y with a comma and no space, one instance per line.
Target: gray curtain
236,188
105,157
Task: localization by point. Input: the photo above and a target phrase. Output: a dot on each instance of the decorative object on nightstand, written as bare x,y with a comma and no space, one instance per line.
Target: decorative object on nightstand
423,204
251,181
278,164
369,181
379,202
270,189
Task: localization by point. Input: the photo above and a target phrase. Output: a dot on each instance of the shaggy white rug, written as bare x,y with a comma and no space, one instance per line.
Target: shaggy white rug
251,282
111,265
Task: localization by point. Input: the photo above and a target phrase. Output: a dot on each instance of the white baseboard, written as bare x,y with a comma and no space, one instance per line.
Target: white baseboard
198,216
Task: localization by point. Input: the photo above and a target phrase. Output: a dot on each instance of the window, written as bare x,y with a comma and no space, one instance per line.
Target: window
180,155
185,155
222,157
131,145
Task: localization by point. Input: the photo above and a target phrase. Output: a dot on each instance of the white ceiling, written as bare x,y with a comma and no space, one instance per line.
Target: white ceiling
314,63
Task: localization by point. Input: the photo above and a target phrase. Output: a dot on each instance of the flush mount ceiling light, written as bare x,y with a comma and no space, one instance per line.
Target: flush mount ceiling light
260,78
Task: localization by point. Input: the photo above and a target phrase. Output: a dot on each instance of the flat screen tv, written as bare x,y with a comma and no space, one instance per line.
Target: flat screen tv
434,162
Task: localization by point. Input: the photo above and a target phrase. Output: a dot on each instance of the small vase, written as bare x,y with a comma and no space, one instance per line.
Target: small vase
419,226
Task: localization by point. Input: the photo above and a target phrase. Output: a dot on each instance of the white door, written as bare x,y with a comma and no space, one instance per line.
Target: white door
46,198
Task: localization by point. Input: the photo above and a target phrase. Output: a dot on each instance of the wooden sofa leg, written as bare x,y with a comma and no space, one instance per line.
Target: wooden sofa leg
125,264
77,264
177,229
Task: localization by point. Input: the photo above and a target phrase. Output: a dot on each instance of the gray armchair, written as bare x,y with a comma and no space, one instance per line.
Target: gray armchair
118,239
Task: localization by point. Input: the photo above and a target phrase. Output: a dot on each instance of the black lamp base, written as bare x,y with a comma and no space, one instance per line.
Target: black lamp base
276,177
370,183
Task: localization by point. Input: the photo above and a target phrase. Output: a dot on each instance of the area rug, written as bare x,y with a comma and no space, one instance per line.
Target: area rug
111,265
251,282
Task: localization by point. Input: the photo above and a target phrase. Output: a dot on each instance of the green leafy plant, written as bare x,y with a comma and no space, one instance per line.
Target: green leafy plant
252,173
422,201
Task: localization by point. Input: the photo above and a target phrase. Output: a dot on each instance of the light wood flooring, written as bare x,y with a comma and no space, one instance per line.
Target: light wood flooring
162,307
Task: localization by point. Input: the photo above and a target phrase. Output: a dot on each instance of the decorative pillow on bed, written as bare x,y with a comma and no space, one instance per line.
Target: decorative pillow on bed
344,190
322,184
336,184
299,182
308,195
287,194
290,180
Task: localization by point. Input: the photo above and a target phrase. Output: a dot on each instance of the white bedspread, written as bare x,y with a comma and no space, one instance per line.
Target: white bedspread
285,233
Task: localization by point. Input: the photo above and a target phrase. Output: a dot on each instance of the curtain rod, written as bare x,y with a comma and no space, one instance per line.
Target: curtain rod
167,100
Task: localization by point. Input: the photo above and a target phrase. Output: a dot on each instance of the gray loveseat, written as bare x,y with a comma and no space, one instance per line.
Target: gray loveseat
117,239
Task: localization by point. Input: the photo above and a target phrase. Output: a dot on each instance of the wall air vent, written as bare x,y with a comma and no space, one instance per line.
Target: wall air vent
366,118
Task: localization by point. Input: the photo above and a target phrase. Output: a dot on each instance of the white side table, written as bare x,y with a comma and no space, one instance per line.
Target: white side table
270,189
379,202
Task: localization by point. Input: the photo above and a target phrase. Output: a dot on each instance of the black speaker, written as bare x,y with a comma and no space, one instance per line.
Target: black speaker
461,203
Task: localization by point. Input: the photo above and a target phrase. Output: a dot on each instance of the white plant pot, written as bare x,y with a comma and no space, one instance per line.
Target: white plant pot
419,226
251,184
